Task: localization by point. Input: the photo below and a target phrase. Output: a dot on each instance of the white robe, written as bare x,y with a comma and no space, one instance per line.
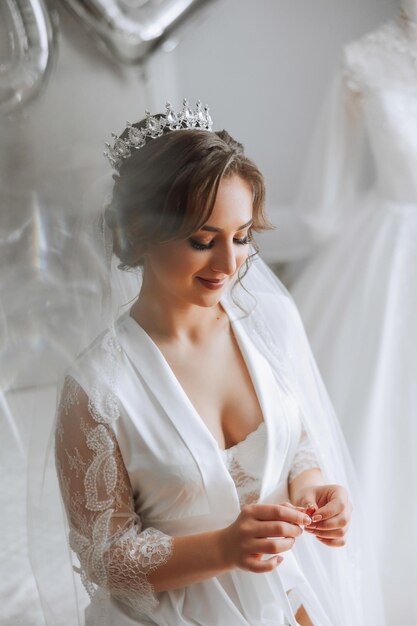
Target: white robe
181,486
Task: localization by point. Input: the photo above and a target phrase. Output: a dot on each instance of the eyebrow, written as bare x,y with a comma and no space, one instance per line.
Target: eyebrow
214,229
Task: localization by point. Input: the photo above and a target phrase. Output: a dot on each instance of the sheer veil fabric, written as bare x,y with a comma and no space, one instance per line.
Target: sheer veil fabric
344,580
357,291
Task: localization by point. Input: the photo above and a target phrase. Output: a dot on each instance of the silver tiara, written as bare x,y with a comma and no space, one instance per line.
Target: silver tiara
187,118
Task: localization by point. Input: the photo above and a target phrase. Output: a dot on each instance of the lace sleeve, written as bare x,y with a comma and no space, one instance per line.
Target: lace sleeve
104,530
304,458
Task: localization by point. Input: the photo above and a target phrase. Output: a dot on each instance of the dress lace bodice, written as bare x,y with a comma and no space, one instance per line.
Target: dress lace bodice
243,460
381,71
382,58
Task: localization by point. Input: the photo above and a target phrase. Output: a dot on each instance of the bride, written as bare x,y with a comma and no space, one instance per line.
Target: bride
203,473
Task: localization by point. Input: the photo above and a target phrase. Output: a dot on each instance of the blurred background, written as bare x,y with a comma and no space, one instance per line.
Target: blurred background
67,80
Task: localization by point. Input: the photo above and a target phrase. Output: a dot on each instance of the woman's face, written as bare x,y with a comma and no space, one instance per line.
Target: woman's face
197,270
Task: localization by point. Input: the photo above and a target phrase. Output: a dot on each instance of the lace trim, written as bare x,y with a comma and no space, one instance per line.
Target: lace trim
102,402
71,395
252,435
105,532
248,485
304,459
365,61
395,37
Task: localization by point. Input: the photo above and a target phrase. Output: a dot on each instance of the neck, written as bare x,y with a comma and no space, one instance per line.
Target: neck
409,10
165,318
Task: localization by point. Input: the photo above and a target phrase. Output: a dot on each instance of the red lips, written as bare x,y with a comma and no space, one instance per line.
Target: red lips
212,283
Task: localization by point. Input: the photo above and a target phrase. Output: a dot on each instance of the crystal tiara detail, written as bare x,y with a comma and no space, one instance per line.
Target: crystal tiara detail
187,118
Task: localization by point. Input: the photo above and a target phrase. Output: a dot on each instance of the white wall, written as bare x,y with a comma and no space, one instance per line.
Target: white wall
264,68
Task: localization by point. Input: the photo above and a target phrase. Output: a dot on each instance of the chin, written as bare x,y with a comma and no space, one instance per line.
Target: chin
208,302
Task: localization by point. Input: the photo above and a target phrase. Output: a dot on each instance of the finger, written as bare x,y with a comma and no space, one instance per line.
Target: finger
277,512
277,529
290,505
259,566
300,508
328,534
308,505
333,543
340,521
272,545
331,509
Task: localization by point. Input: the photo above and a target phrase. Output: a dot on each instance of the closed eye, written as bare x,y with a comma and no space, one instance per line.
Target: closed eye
200,246
244,241
197,245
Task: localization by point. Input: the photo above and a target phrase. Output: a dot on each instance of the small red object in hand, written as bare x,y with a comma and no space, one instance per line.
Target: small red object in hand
310,510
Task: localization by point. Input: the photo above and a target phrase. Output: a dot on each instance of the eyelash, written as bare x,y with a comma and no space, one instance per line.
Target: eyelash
207,246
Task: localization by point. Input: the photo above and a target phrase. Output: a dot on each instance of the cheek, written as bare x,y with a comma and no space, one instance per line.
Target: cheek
178,264
242,255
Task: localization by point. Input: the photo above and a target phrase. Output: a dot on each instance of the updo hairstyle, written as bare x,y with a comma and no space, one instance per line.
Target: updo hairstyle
166,190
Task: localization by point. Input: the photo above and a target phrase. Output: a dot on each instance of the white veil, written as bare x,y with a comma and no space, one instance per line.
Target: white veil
97,291
344,579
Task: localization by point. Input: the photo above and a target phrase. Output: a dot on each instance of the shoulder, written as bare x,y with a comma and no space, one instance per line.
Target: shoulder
263,299
96,371
279,310
273,319
98,357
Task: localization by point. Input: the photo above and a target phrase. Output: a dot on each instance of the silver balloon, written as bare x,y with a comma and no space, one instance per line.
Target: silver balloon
131,29
26,47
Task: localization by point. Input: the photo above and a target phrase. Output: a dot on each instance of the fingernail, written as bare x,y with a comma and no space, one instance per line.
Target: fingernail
317,518
307,520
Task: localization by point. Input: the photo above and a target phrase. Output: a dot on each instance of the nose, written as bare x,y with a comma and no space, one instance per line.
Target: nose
224,259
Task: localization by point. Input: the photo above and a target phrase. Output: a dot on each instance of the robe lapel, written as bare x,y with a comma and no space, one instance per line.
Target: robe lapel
154,369
271,400
152,366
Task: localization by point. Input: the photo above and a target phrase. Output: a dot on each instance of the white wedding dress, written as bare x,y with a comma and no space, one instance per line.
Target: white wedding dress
358,293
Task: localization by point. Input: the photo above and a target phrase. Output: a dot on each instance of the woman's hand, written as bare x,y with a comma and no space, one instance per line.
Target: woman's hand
332,512
261,529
